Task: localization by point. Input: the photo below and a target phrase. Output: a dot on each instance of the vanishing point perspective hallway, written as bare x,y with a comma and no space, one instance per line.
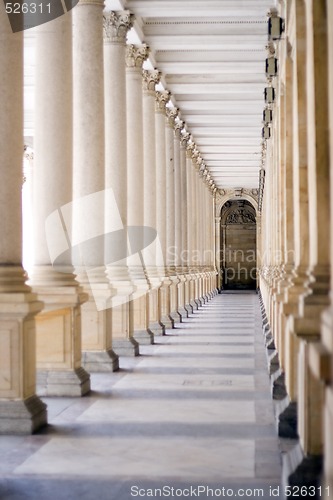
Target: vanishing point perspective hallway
193,410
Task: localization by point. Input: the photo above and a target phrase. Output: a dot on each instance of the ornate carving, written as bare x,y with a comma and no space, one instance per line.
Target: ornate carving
171,114
241,216
189,149
178,129
150,79
233,193
116,26
161,100
185,139
136,55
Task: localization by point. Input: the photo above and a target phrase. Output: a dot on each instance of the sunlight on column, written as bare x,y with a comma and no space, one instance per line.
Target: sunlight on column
28,243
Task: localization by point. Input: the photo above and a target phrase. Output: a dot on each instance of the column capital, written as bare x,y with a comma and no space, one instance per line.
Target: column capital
116,26
171,115
189,149
136,55
150,79
184,140
178,129
161,100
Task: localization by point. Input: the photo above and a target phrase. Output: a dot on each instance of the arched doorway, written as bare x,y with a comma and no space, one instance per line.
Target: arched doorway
238,245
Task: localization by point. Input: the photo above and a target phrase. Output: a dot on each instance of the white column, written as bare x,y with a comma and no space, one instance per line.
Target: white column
179,229
161,205
171,115
139,305
21,411
184,202
88,181
196,225
153,253
58,328
178,187
116,26
191,222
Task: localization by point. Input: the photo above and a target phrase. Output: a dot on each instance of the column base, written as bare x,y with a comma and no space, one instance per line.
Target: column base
188,309
194,305
286,418
144,337
23,416
126,347
168,322
300,470
63,382
100,361
182,312
278,386
157,329
176,317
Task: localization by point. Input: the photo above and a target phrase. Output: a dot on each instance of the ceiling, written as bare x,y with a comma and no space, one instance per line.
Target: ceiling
212,57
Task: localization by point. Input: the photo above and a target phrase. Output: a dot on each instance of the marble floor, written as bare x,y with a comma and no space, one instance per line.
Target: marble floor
192,416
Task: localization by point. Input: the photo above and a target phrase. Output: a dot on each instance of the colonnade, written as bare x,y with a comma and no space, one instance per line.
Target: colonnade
296,246
123,211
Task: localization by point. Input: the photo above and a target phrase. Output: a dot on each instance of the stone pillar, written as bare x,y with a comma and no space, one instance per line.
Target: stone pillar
311,389
21,411
197,227
152,255
191,236
179,229
116,26
171,115
218,250
89,177
185,221
139,304
324,351
162,99
58,327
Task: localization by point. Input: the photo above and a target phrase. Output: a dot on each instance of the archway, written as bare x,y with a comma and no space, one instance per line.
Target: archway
238,245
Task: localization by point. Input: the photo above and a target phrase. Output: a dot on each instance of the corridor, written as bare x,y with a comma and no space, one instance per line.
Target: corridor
193,410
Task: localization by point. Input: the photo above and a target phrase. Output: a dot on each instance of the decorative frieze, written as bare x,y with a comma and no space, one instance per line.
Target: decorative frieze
116,25
136,55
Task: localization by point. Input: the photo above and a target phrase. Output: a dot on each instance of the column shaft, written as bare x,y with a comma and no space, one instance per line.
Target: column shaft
116,25
139,304
58,328
153,254
89,176
21,411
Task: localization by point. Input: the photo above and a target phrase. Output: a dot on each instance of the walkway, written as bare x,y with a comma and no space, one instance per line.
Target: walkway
193,410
